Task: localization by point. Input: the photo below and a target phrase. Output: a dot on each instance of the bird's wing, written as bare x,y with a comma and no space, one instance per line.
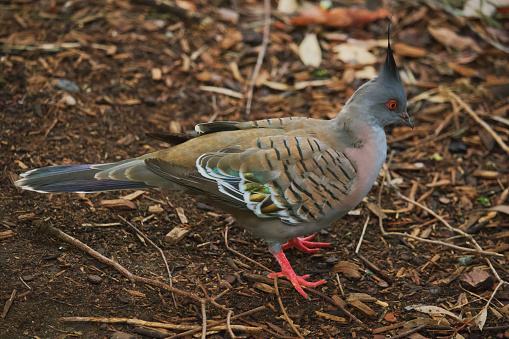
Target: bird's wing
294,178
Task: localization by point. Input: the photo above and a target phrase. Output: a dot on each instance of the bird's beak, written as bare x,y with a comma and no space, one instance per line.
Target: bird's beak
406,118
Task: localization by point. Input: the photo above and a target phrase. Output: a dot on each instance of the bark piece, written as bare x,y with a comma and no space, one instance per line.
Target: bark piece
477,280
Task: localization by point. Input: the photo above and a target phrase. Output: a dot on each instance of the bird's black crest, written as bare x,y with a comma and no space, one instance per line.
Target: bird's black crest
389,69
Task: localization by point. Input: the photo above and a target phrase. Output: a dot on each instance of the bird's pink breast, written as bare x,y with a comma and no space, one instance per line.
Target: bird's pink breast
368,160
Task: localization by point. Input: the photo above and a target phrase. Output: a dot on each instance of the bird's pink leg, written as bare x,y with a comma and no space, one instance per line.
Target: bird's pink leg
304,245
289,273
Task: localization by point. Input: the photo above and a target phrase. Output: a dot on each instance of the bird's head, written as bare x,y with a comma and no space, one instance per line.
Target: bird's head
383,100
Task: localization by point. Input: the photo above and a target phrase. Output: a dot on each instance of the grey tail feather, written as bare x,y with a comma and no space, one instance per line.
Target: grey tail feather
73,178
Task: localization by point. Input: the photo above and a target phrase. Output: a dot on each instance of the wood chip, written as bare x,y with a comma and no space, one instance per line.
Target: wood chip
451,277
477,280
486,174
362,297
359,305
182,216
339,300
155,209
119,204
6,234
331,317
133,195
348,269
176,234
264,287
157,74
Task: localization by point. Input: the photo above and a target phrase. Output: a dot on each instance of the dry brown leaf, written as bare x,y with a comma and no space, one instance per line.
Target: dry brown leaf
462,70
480,320
310,52
500,208
406,50
449,38
436,309
339,17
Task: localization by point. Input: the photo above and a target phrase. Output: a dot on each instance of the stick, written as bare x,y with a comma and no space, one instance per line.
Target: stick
362,236
242,255
407,333
330,300
9,303
261,55
481,122
204,320
228,326
221,90
216,323
160,252
285,315
52,231
169,326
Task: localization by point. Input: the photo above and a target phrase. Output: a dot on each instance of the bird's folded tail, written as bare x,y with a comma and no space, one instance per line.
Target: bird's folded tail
86,178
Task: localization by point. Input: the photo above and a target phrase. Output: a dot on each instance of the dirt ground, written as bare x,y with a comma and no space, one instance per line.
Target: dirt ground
139,67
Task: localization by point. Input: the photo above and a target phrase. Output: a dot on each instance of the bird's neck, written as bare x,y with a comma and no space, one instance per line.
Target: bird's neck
352,130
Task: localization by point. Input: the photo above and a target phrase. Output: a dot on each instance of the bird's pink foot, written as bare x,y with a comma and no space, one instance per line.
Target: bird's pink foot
289,273
304,245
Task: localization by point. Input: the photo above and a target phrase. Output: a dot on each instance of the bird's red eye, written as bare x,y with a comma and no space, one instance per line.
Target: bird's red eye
392,105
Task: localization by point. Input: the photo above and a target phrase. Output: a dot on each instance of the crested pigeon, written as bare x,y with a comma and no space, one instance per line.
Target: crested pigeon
280,178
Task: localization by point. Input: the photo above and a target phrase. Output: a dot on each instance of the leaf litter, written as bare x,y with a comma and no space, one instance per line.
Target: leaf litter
128,68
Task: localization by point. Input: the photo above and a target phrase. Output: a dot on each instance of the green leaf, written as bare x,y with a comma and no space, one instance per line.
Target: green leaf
485,201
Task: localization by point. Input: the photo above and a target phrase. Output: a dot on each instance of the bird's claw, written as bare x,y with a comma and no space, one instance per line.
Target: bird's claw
304,245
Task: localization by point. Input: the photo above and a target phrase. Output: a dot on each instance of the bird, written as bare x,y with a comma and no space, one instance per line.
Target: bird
282,179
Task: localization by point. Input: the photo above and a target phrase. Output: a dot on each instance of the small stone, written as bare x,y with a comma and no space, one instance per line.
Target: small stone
225,284
230,279
251,37
94,279
465,260
457,146
27,277
67,85
69,100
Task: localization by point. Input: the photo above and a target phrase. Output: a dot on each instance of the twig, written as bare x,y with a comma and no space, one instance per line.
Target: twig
24,283
362,236
8,303
242,255
333,302
477,249
285,315
375,269
204,320
216,323
160,252
481,122
340,285
261,55
438,242
52,231
228,326
407,333
221,90
169,326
